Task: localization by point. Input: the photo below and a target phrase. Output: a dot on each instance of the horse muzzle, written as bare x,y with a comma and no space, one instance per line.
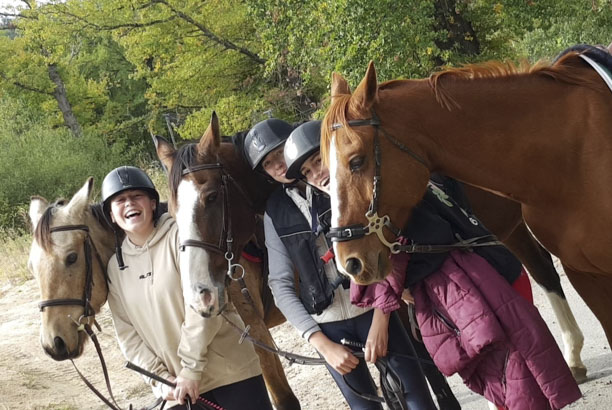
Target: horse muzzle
208,301
61,348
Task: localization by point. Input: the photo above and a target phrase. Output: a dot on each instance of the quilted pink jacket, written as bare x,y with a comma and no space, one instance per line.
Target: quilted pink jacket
473,323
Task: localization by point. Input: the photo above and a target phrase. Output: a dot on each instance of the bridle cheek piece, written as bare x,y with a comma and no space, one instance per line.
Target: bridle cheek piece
85,301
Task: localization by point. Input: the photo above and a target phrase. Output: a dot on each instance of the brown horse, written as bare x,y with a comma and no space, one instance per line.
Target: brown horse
540,136
59,262
503,217
215,198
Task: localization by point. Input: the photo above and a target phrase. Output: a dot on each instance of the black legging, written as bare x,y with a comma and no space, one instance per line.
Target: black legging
356,329
244,395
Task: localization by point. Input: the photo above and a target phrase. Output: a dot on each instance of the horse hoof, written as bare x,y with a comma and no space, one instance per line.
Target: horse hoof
579,373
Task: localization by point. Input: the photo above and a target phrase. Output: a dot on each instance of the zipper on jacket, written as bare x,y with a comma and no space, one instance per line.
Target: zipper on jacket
447,322
504,372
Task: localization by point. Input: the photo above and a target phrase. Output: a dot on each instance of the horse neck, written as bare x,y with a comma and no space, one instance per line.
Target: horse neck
506,131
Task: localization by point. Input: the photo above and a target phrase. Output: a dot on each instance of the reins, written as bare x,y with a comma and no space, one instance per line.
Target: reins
377,223
88,312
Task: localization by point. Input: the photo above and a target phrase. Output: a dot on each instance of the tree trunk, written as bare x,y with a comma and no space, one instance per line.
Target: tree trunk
461,35
62,101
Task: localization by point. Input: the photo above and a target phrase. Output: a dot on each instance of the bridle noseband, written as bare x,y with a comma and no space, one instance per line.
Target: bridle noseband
85,301
226,234
377,223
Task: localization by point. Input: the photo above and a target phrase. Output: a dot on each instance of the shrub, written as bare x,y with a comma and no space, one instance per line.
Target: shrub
39,160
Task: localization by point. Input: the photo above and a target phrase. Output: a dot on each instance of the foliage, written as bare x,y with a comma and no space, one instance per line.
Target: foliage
125,64
38,160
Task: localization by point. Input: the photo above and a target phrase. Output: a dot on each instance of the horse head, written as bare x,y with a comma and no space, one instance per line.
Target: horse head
214,199
364,183
70,271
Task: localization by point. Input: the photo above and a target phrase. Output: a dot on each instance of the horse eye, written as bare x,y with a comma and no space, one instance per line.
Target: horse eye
212,197
71,258
356,163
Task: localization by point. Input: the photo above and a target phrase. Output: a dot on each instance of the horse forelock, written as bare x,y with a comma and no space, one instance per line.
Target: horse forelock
42,231
184,157
338,113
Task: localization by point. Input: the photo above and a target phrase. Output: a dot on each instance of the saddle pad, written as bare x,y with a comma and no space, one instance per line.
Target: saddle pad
603,71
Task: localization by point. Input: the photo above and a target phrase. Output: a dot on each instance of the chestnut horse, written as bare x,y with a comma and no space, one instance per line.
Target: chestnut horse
540,136
503,218
73,237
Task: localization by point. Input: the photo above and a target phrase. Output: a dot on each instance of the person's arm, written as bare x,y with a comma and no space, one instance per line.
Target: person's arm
197,333
282,283
281,280
336,355
135,350
378,336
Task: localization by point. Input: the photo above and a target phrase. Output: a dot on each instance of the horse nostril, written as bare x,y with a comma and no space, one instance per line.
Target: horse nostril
60,346
353,266
207,297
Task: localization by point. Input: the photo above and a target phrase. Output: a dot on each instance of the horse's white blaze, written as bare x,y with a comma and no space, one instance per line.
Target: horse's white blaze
192,259
334,194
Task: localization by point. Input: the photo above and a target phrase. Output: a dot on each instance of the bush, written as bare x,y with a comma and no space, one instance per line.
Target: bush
37,160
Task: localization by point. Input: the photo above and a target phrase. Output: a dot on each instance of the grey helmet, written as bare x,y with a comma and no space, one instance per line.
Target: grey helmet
301,144
125,178
264,137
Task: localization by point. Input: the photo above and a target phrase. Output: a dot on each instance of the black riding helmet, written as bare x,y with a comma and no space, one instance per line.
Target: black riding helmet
301,144
119,180
126,178
264,137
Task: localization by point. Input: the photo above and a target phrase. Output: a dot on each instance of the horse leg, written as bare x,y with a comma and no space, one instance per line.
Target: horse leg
595,289
278,387
444,395
541,268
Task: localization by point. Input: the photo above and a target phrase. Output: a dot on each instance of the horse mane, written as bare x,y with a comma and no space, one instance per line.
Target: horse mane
563,69
42,232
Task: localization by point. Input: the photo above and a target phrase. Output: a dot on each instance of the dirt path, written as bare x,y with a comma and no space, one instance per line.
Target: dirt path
31,380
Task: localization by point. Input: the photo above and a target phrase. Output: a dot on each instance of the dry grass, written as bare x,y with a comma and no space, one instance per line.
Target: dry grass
14,249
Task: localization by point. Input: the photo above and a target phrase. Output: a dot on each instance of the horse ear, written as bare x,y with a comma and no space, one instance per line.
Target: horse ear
165,151
339,85
210,141
366,93
38,204
80,201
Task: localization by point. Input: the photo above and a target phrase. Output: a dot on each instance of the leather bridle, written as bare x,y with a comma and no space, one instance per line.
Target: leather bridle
377,223
226,235
88,311
85,301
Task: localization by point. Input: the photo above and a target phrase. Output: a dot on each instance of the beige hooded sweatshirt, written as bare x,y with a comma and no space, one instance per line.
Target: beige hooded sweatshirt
155,329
